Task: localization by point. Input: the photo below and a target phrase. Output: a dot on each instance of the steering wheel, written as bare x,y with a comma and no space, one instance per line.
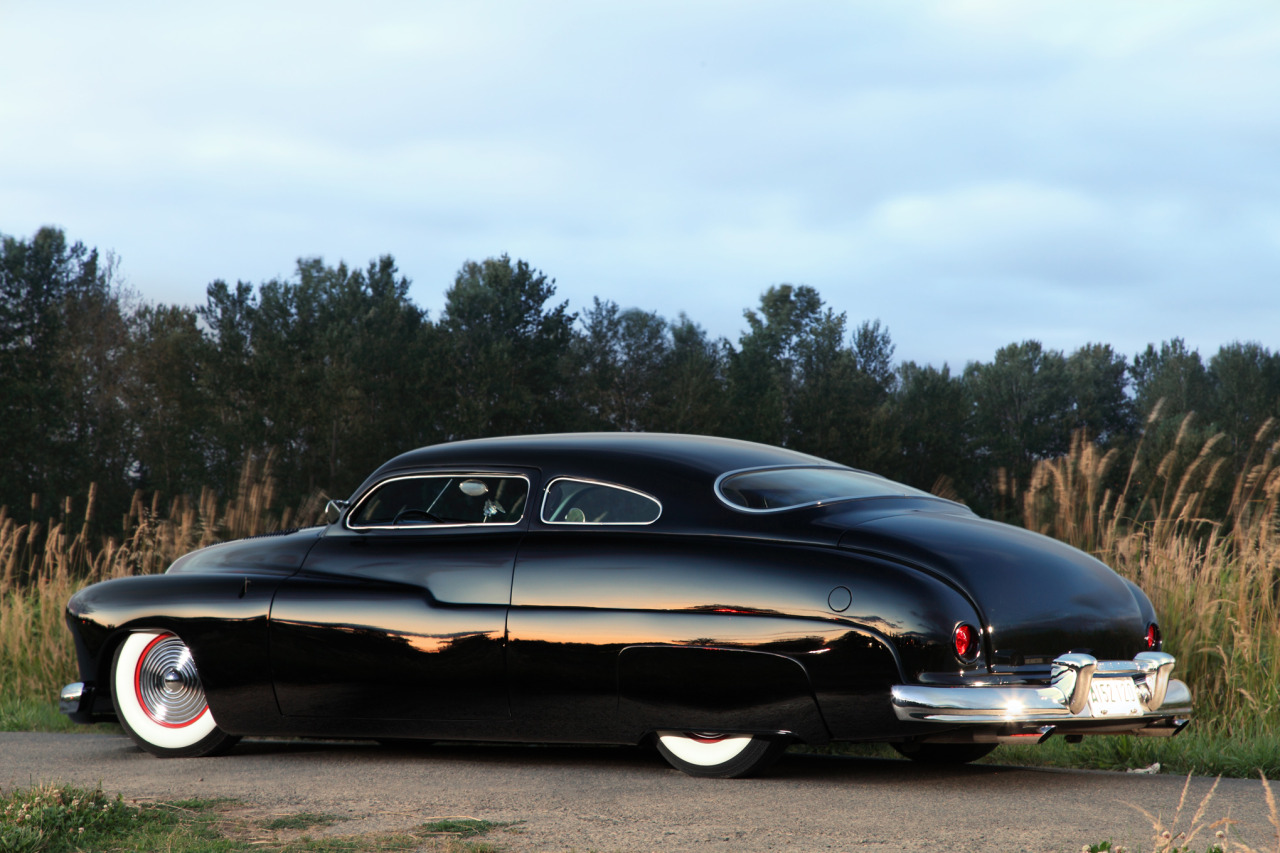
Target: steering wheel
411,514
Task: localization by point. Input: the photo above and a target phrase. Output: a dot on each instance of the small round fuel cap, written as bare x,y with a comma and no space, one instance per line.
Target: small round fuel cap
840,599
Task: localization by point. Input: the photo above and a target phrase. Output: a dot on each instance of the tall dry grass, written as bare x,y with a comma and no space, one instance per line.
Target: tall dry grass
40,570
1215,582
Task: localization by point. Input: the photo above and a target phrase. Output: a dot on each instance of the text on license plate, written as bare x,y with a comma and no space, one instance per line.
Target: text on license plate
1114,697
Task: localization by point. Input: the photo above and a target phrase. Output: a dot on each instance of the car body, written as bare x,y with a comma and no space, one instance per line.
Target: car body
719,597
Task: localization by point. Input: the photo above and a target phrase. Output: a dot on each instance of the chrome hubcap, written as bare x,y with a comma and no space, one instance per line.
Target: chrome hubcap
168,687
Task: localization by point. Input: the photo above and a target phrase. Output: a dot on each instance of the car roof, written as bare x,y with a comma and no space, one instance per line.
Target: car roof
619,452
678,470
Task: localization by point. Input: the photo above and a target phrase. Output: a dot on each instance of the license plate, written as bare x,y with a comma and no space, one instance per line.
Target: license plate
1114,697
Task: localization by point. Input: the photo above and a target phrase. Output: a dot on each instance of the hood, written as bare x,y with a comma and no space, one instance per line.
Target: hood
271,553
1038,597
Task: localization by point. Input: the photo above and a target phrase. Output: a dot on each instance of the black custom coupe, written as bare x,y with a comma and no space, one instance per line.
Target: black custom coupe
720,598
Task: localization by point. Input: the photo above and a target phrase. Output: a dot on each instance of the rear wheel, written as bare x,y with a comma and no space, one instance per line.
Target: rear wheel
719,755
944,753
159,698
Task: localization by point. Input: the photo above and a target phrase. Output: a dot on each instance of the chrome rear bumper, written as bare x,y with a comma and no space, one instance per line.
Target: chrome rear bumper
1062,704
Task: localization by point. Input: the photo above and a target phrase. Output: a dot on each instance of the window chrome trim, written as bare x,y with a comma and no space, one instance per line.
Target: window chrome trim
432,525
823,501
546,493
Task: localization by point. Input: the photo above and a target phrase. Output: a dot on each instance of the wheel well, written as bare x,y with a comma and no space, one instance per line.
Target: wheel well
713,689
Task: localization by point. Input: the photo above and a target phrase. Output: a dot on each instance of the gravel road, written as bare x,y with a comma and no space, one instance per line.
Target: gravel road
606,799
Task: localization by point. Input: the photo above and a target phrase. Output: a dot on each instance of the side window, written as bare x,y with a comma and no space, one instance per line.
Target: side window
570,501
429,500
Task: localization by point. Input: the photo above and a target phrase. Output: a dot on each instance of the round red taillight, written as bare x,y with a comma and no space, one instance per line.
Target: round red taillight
1153,637
966,642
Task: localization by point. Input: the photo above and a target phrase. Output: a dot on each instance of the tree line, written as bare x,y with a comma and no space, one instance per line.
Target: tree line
334,369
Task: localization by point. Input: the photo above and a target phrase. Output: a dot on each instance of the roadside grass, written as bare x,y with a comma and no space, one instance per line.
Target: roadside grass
54,818
1198,750
29,714
1198,832
302,820
461,827
1195,751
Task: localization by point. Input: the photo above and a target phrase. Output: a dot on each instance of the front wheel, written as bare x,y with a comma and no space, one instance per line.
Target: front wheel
944,753
719,755
159,698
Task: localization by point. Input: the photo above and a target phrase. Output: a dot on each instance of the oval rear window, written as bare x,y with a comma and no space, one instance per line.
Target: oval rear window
776,489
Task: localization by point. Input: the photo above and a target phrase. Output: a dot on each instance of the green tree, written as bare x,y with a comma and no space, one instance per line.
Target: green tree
330,370
1245,380
622,355
691,393
234,397
1173,398
1173,374
797,380
931,409
1021,408
822,376
763,372
62,332
839,406
508,358
169,400
1097,380
873,353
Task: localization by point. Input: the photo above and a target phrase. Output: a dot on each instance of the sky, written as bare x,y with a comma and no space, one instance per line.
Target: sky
969,173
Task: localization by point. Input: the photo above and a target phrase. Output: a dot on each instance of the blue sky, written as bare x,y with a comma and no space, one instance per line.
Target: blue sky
970,173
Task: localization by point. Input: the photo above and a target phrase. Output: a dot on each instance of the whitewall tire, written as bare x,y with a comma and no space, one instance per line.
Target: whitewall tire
719,755
159,699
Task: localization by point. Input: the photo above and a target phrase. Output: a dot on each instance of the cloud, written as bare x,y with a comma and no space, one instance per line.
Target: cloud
971,172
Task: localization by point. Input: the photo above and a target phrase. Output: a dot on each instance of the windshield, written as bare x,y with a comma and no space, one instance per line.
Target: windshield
775,489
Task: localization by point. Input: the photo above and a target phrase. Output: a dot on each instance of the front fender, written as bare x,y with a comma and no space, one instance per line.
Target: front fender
221,617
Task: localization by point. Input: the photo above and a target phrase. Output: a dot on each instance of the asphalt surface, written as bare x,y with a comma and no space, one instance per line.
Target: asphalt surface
607,799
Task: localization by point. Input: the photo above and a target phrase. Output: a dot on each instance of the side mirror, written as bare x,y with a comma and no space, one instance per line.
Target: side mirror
334,509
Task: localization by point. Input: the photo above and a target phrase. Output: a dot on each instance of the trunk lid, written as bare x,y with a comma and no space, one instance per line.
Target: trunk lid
1038,597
